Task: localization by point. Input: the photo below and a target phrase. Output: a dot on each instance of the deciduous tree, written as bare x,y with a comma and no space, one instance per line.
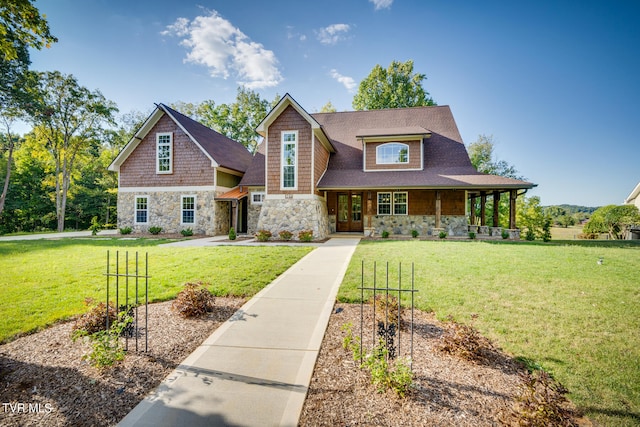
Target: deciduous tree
613,219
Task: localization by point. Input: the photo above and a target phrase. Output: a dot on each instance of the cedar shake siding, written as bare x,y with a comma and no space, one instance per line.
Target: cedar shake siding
321,159
415,156
190,166
289,120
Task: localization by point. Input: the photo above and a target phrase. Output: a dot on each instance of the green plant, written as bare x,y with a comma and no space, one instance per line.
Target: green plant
194,300
463,340
542,402
106,348
186,232
472,235
285,235
442,235
505,234
155,230
386,308
232,234
546,229
263,235
95,226
94,320
305,235
414,233
530,235
384,234
126,230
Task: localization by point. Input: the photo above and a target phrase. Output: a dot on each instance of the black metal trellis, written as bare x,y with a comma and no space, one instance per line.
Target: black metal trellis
134,330
386,331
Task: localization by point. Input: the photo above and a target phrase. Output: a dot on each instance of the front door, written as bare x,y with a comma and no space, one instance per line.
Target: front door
349,212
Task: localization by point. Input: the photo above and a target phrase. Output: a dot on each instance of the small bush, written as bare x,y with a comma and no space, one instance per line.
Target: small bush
263,235
95,226
94,320
542,402
194,300
442,235
463,340
472,235
232,234
386,309
186,232
414,233
285,235
505,234
385,234
126,230
106,347
588,236
530,235
155,230
305,235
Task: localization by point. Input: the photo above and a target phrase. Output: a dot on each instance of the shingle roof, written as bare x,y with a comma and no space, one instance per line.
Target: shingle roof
255,173
224,151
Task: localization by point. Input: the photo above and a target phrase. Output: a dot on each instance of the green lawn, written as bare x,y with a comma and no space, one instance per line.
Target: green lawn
44,281
552,304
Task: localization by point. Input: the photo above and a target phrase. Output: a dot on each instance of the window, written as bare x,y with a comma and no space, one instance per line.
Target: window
257,198
392,153
289,159
393,203
188,210
164,153
142,210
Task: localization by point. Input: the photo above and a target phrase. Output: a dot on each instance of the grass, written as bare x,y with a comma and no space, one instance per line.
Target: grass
45,281
551,304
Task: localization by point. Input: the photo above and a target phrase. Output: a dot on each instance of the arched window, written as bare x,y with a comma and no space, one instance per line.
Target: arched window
392,153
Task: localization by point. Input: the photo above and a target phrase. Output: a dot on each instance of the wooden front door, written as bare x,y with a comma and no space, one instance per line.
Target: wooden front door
349,212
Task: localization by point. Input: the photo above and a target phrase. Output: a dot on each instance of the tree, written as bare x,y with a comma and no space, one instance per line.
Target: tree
22,25
328,108
531,217
70,117
482,158
613,219
395,87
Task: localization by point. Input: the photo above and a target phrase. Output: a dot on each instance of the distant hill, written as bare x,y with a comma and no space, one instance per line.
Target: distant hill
568,215
571,209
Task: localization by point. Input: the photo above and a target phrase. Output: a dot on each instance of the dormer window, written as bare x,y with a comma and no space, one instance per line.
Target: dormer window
392,153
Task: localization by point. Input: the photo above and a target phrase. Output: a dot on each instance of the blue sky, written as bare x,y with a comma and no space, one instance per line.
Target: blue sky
555,82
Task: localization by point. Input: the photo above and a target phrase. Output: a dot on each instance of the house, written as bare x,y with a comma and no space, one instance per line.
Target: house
633,199
366,172
171,173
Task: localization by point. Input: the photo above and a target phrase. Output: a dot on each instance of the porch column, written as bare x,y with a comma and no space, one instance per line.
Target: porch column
438,209
483,208
513,195
496,208
472,213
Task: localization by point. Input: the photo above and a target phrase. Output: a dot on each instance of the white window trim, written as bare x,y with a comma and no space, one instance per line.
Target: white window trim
158,135
257,193
282,165
379,162
195,209
135,209
392,198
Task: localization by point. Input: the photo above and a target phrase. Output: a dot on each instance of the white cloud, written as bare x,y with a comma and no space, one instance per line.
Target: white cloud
382,4
333,33
348,82
217,44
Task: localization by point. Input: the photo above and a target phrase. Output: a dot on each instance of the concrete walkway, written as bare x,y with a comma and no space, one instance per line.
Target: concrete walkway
255,369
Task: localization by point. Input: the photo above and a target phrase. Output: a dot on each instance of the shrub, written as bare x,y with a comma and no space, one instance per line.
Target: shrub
285,235
95,226
126,230
463,340
155,230
194,300
186,232
588,236
106,347
472,235
385,234
542,402
442,235
232,234
505,234
414,233
530,235
386,309
305,235
94,320
263,235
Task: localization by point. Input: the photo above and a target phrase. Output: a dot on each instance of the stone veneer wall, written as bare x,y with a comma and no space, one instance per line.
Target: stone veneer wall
454,225
295,215
164,211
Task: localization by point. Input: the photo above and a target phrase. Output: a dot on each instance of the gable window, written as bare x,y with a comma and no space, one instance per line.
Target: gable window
392,153
142,210
164,153
393,203
257,198
188,210
289,160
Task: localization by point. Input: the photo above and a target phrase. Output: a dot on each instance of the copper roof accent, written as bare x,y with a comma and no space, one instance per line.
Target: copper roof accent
234,194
